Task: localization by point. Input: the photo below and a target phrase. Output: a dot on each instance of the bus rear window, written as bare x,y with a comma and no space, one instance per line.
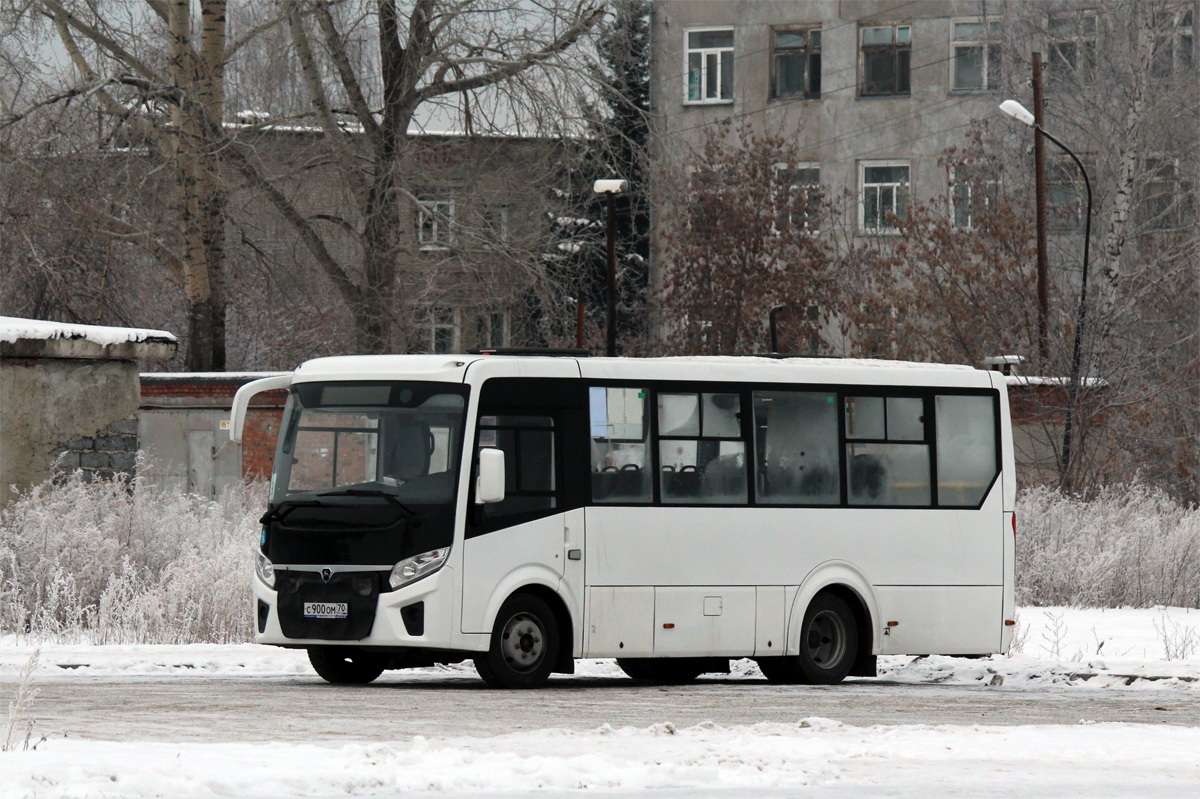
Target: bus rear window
966,449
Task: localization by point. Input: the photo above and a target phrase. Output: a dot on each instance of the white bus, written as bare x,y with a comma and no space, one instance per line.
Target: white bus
672,513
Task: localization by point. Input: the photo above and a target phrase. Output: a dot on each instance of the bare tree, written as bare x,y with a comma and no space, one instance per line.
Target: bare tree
740,239
117,52
358,80
473,51
957,282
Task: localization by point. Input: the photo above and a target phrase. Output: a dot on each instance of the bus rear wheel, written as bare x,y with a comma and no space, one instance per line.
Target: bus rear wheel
667,671
344,666
524,645
828,646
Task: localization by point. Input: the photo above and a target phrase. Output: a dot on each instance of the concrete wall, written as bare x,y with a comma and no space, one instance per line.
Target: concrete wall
839,128
81,409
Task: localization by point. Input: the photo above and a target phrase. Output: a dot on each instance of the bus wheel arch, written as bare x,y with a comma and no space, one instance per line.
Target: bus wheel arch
530,600
849,584
565,661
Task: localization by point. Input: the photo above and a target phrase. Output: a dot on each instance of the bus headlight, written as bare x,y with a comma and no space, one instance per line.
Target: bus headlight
418,566
264,569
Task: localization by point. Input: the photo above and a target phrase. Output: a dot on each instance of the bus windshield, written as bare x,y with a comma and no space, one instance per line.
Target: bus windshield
398,438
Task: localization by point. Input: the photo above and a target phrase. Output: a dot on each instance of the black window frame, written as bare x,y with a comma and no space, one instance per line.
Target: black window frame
901,53
810,55
840,391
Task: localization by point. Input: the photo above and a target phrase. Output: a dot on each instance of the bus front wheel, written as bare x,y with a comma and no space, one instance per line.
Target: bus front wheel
524,645
343,666
828,646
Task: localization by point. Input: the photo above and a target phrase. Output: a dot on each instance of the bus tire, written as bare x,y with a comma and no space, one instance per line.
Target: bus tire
342,665
828,646
828,640
524,645
665,671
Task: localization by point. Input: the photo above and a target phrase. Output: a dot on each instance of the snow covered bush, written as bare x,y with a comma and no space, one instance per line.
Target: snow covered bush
119,561
124,562
1128,546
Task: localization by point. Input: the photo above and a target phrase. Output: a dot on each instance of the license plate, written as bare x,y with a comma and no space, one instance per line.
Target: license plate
326,610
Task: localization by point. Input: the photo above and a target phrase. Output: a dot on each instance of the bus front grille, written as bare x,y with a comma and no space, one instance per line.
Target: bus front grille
358,590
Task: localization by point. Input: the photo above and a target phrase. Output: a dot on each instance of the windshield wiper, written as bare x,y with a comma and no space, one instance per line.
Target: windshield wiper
286,506
368,492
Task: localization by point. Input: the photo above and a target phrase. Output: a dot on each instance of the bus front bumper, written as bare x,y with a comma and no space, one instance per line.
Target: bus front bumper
428,605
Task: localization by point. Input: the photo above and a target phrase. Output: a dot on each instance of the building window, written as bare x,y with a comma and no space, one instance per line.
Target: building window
1072,45
1167,200
975,56
796,63
1064,195
886,59
1173,43
800,203
707,207
883,195
435,224
970,197
492,330
493,231
710,66
442,330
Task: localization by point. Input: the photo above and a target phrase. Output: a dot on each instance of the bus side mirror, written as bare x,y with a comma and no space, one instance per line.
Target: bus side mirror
489,485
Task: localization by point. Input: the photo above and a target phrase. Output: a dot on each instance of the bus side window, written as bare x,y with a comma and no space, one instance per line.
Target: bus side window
796,444
887,456
702,458
620,446
966,448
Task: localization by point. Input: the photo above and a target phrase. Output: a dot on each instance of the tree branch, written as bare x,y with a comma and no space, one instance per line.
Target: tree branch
587,20
250,35
337,49
101,39
68,95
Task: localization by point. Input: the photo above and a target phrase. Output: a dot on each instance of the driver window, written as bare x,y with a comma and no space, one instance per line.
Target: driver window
529,462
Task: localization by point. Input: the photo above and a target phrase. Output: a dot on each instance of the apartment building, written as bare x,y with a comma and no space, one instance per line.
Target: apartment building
873,91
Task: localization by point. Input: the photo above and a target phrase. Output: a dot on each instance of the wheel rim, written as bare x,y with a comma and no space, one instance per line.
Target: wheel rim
523,643
826,639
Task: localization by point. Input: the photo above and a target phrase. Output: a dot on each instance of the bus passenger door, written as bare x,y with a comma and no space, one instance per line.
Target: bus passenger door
574,547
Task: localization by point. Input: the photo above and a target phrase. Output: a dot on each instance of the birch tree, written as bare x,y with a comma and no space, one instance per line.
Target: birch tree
114,51
1122,92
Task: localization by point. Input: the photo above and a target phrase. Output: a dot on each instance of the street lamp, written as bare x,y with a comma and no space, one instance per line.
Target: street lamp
611,188
1022,115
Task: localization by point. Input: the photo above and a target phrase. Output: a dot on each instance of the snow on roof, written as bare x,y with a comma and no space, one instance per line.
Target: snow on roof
260,121
13,329
222,377
1034,380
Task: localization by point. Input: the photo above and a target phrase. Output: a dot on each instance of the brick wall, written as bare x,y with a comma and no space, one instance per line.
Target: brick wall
262,418
260,433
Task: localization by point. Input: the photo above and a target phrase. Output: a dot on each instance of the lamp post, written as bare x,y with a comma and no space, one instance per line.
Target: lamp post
611,188
1022,115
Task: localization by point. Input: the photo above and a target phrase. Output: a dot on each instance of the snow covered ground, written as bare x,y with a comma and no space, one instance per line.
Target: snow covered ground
1061,650
1103,760
1098,648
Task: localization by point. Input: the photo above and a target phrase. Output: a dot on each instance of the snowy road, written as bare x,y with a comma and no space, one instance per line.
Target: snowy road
306,709
1092,706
